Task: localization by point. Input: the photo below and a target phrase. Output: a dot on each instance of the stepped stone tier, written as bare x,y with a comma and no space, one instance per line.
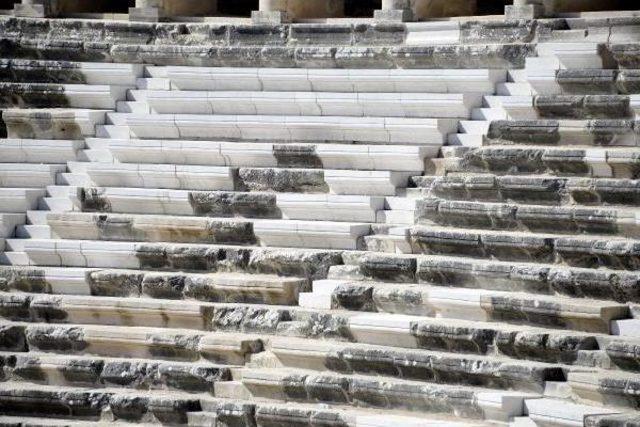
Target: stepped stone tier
305,219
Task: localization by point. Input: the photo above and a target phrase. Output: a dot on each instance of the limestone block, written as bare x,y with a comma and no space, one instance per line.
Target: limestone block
609,390
171,8
18,175
305,9
314,234
18,200
561,413
329,207
335,80
52,124
573,55
39,150
9,222
53,71
381,183
161,176
380,329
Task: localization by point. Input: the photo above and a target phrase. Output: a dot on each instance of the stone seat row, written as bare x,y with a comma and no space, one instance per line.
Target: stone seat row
239,231
567,106
78,124
577,219
514,276
532,189
218,178
236,154
617,132
356,104
326,207
588,251
458,338
585,162
381,130
20,200
466,304
471,81
19,70
41,95
101,366
31,176
581,81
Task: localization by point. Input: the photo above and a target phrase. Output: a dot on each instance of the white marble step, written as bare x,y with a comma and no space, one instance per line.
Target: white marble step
415,105
334,80
92,73
9,222
376,130
19,200
26,175
261,154
39,150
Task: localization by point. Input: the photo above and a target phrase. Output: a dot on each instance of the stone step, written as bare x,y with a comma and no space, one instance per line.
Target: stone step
54,71
335,80
39,150
132,107
442,368
301,262
22,421
62,123
354,104
605,389
323,207
214,287
560,413
153,83
23,175
137,342
384,393
13,258
472,304
33,231
19,200
95,372
244,412
54,95
575,107
576,55
597,162
578,251
9,222
88,404
540,132
380,130
534,189
264,232
514,89
548,81
261,154
219,178
54,204
482,338
602,283
576,219
475,127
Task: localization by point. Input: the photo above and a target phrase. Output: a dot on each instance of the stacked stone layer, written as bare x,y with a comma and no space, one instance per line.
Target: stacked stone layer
320,225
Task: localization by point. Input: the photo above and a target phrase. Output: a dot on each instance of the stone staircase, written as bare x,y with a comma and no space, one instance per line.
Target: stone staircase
382,233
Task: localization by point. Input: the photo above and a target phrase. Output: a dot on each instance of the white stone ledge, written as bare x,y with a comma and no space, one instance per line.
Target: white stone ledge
335,80
415,105
18,200
329,207
39,150
157,176
570,55
310,234
62,123
29,175
560,413
255,154
381,130
94,96
9,222
93,73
